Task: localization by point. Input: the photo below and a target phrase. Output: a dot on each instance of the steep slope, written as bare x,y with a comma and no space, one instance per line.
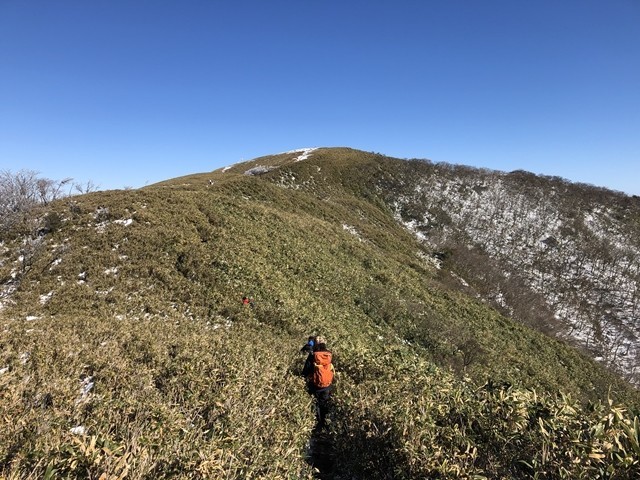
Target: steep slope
571,250
561,257
126,350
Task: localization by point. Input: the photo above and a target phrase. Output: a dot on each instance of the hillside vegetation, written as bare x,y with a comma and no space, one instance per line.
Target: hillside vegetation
126,352
558,256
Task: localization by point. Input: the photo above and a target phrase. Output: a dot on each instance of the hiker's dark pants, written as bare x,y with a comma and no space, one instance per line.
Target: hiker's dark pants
323,403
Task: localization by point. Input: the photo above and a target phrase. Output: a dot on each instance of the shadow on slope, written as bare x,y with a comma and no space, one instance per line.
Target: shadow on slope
321,454
361,445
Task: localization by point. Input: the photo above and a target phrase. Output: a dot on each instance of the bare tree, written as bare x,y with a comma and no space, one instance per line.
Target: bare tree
87,187
23,190
50,190
18,193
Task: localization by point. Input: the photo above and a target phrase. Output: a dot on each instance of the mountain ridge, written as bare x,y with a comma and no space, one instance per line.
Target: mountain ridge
137,293
546,207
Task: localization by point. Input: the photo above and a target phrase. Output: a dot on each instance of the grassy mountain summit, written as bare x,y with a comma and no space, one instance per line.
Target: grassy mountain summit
126,351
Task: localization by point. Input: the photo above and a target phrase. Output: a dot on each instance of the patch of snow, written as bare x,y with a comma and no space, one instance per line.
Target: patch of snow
4,370
259,170
24,358
79,430
5,293
499,299
85,388
55,263
433,261
304,153
31,318
459,278
125,222
228,323
46,297
100,212
352,230
412,226
289,152
111,271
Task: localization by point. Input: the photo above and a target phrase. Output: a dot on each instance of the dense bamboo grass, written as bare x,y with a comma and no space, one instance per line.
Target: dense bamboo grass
126,352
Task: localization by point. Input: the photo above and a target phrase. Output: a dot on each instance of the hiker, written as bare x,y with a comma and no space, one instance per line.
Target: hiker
308,363
318,370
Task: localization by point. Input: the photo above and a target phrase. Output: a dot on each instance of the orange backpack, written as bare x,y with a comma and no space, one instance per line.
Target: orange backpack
322,375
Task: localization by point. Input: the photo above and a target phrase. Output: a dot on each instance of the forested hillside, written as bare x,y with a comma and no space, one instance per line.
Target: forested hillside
559,256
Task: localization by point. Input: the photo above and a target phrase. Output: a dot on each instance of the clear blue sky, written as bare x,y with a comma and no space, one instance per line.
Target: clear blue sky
127,93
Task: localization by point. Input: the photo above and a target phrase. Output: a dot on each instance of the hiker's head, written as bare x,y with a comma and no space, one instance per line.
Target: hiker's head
308,347
320,345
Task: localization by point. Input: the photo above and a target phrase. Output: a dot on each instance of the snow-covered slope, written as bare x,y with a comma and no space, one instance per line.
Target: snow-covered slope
575,246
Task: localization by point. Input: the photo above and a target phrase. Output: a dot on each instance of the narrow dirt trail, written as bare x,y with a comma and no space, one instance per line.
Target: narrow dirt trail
321,455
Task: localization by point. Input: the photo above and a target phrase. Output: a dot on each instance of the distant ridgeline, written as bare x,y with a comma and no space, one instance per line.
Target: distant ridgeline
483,324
